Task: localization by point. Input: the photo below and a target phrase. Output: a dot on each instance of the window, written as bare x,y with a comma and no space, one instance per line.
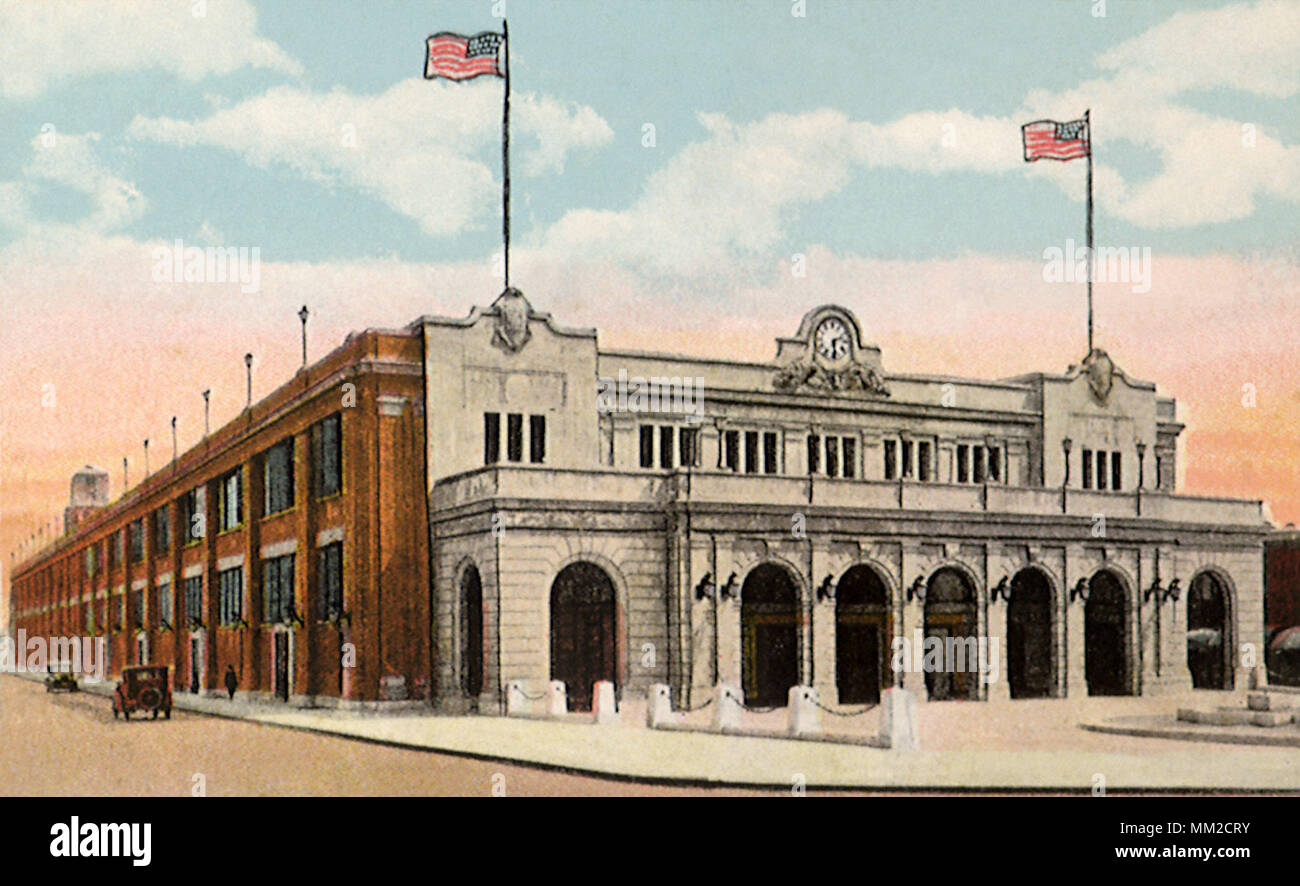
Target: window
277,477
647,446
923,461
92,561
832,456
137,608
515,437
1087,469
537,439
90,618
1160,472
963,463
770,462
891,459
491,438
230,500
194,599
732,449
331,580
751,452
908,464
277,589
136,531
193,505
979,464
688,446
814,453
327,456
1116,472
995,464
119,612
230,595
162,529
850,456
164,592
1101,469
666,446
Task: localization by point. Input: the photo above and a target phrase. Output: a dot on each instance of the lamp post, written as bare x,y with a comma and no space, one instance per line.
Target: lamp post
125,481
1142,451
207,394
302,315
1066,445
173,443
248,366
146,458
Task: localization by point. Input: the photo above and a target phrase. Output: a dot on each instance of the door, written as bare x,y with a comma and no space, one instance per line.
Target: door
582,632
196,667
1207,633
950,654
1029,636
861,632
281,665
1105,630
769,625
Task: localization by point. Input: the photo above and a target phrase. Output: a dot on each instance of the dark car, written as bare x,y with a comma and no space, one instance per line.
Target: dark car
145,689
61,679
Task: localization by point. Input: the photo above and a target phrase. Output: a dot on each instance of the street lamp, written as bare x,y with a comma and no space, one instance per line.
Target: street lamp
1142,451
1066,444
302,315
248,366
206,425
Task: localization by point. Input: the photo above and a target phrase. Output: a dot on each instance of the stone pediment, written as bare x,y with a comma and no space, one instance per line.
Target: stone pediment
827,356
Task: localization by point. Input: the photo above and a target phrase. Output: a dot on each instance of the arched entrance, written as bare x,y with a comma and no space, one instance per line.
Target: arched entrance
471,632
582,631
1029,635
950,618
862,632
1208,643
1105,630
769,631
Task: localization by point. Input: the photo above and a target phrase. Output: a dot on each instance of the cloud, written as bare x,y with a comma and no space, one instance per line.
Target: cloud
46,43
421,147
72,161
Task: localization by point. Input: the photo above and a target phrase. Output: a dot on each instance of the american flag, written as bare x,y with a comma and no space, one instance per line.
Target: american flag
1047,139
457,57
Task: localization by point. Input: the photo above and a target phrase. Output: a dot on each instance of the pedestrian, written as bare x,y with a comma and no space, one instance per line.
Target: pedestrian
232,681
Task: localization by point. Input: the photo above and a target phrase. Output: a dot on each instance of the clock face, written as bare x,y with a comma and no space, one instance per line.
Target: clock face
832,339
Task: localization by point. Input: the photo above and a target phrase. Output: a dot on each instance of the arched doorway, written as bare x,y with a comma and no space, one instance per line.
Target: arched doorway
950,618
862,632
582,631
769,631
1208,643
1029,635
1105,630
471,632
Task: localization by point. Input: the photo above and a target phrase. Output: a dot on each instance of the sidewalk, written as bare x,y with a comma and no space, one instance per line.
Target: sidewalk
965,745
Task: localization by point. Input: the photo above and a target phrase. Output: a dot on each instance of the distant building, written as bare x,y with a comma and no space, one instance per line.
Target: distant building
506,500
1282,580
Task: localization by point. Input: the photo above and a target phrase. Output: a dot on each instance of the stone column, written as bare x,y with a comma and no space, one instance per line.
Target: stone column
999,689
912,628
729,643
1076,683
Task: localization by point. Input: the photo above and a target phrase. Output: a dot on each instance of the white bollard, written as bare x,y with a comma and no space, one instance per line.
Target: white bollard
658,705
804,717
899,725
557,700
603,703
516,700
726,707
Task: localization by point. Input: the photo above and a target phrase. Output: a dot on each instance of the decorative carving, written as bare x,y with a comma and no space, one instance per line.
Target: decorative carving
512,320
1101,374
854,378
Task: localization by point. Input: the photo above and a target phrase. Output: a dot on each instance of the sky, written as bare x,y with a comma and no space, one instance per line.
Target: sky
687,175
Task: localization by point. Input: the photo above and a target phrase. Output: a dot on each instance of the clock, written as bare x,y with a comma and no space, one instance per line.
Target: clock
832,339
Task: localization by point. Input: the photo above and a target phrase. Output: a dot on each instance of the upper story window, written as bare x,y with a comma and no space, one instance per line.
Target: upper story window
491,438
230,595
277,589
537,439
515,443
832,455
162,529
230,500
331,580
193,514
327,456
193,588
164,592
667,446
136,532
731,450
137,608
979,463
277,477
92,561
1102,470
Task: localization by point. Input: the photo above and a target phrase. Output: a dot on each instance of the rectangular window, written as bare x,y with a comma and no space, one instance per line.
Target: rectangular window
1160,472
327,456
751,452
331,580
277,473
995,464
277,589
162,529
832,456
491,438
136,530
193,516
119,612
923,461
1101,469
90,618
907,459
977,453
688,443
891,459
1116,472
666,446
647,446
732,440
770,463
1087,469
137,608
537,439
92,561
230,595
230,500
963,463
194,600
514,437
814,453
164,592
850,457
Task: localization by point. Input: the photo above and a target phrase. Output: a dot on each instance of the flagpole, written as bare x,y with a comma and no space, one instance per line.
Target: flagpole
505,157
1087,124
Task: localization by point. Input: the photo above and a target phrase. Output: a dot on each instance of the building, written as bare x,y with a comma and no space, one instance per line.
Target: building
642,518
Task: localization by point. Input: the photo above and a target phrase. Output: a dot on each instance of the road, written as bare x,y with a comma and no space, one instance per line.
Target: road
70,745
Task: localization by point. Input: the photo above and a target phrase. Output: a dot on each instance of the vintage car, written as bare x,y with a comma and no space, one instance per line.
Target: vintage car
60,678
144,689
